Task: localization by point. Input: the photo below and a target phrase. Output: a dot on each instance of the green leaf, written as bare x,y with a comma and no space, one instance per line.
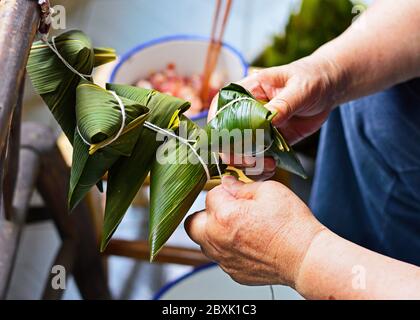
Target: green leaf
175,182
98,116
284,155
55,82
104,55
246,112
127,175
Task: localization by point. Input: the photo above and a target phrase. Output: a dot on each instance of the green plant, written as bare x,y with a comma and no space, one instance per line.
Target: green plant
318,22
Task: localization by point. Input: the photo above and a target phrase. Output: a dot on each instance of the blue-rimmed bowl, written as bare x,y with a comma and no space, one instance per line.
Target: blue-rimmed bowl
187,52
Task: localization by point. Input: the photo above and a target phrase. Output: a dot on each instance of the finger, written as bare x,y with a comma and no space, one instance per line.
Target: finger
217,199
210,253
195,226
299,127
285,104
263,177
250,162
239,161
253,84
239,189
260,166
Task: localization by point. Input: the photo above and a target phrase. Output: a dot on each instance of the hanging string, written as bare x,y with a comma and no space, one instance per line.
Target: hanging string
54,49
155,128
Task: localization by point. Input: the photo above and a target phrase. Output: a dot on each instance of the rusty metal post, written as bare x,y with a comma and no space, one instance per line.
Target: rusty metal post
19,20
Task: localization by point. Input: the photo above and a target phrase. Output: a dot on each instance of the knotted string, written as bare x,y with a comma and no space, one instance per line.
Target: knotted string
54,49
187,142
217,164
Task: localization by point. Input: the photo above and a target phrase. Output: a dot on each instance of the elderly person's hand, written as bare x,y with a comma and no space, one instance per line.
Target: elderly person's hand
258,233
261,233
302,93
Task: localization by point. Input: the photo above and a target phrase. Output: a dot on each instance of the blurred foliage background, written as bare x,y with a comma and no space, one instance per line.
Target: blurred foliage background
317,22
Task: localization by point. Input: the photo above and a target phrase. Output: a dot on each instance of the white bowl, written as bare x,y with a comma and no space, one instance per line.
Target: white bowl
187,52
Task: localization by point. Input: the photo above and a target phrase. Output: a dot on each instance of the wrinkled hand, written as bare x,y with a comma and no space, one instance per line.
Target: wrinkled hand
302,93
258,233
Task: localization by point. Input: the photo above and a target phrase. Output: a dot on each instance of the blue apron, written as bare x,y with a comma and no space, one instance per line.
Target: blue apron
367,180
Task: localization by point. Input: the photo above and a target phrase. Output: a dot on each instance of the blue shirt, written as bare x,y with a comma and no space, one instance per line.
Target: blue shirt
367,180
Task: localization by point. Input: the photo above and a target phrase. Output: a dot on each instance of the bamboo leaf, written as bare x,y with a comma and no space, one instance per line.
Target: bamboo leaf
55,82
238,109
284,155
99,117
175,183
104,56
127,175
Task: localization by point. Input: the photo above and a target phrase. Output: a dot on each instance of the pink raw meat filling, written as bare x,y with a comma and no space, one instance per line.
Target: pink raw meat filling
188,88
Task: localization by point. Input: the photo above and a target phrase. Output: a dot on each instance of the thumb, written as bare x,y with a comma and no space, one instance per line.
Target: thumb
195,226
239,189
285,104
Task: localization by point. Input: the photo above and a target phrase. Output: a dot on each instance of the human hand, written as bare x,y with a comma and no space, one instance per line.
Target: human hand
301,93
258,233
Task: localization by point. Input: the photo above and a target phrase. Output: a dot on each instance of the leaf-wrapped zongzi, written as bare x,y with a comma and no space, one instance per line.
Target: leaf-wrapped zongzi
116,130
238,109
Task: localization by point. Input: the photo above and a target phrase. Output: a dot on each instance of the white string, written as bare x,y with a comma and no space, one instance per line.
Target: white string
123,117
232,102
217,164
81,136
155,128
253,154
54,49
